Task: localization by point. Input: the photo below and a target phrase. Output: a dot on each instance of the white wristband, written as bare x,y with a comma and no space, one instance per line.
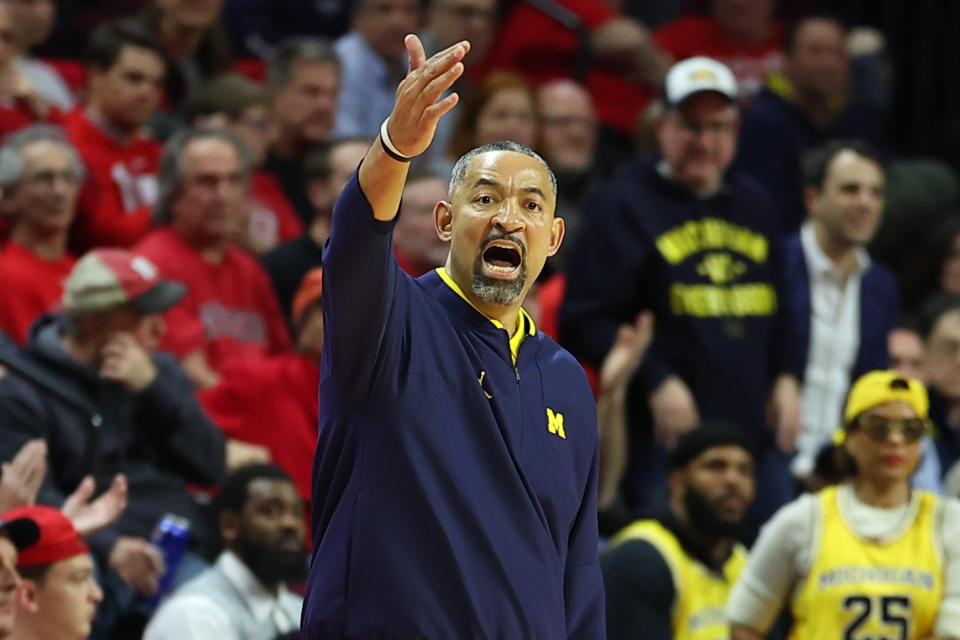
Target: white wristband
388,146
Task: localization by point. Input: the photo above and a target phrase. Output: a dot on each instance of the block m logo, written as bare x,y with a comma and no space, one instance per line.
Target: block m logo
555,423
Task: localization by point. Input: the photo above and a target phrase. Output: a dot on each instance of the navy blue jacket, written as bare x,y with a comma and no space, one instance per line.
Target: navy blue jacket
710,270
444,504
773,136
879,309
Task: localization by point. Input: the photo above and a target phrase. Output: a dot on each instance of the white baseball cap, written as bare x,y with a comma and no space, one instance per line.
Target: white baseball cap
695,75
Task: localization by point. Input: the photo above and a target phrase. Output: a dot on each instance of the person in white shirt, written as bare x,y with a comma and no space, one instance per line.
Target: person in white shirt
243,595
842,303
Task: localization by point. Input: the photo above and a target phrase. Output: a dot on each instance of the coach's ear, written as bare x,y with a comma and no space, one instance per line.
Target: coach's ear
443,218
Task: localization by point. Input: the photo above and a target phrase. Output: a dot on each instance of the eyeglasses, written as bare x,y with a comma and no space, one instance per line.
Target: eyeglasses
879,429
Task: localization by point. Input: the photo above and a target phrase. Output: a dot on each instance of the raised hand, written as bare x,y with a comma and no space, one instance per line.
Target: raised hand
125,361
89,517
23,476
417,109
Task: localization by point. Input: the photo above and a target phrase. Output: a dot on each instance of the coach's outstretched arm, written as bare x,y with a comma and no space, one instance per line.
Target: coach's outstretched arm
412,123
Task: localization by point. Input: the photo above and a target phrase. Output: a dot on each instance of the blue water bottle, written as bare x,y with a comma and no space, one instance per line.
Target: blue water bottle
170,536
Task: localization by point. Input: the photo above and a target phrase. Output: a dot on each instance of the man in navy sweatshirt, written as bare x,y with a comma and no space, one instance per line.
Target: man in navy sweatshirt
676,234
456,470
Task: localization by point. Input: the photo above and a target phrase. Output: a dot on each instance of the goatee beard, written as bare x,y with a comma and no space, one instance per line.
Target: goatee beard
705,519
271,564
495,290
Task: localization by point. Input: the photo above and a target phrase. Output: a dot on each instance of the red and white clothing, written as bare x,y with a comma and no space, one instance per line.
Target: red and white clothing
29,286
121,186
229,310
286,424
272,218
698,36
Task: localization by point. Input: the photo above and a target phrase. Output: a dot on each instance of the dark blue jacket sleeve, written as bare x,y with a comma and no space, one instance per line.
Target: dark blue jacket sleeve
583,580
360,274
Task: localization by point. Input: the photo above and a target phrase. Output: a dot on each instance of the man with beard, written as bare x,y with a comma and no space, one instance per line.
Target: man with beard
668,577
455,481
243,595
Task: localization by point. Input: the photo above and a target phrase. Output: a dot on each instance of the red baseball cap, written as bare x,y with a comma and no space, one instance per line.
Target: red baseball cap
58,539
311,290
107,278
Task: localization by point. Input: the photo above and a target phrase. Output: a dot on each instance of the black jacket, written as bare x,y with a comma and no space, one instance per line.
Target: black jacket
159,438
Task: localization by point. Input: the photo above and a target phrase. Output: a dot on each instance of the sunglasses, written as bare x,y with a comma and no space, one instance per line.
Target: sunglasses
879,429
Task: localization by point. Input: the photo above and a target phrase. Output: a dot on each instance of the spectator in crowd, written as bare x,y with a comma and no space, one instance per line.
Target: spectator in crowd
326,171
905,350
678,235
304,78
801,109
32,22
95,365
940,325
569,131
670,575
20,103
418,247
126,72
842,303
374,61
449,22
621,363
587,41
16,535
229,310
745,36
287,424
40,175
870,557
260,517
59,594
194,41
241,105
935,270
501,107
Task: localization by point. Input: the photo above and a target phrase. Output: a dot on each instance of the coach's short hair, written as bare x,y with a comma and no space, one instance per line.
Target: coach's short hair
459,173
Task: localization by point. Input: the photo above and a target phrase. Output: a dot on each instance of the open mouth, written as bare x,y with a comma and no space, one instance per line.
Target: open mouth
502,259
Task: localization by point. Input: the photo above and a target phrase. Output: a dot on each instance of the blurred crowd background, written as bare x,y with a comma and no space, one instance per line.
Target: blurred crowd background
204,142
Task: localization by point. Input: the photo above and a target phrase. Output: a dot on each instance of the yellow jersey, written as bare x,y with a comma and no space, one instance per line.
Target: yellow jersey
859,589
701,594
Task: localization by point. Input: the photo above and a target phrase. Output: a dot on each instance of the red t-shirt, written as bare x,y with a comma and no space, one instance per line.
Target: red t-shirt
698,36
271,402
535,45
30,286
272,219
229,310
121,186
